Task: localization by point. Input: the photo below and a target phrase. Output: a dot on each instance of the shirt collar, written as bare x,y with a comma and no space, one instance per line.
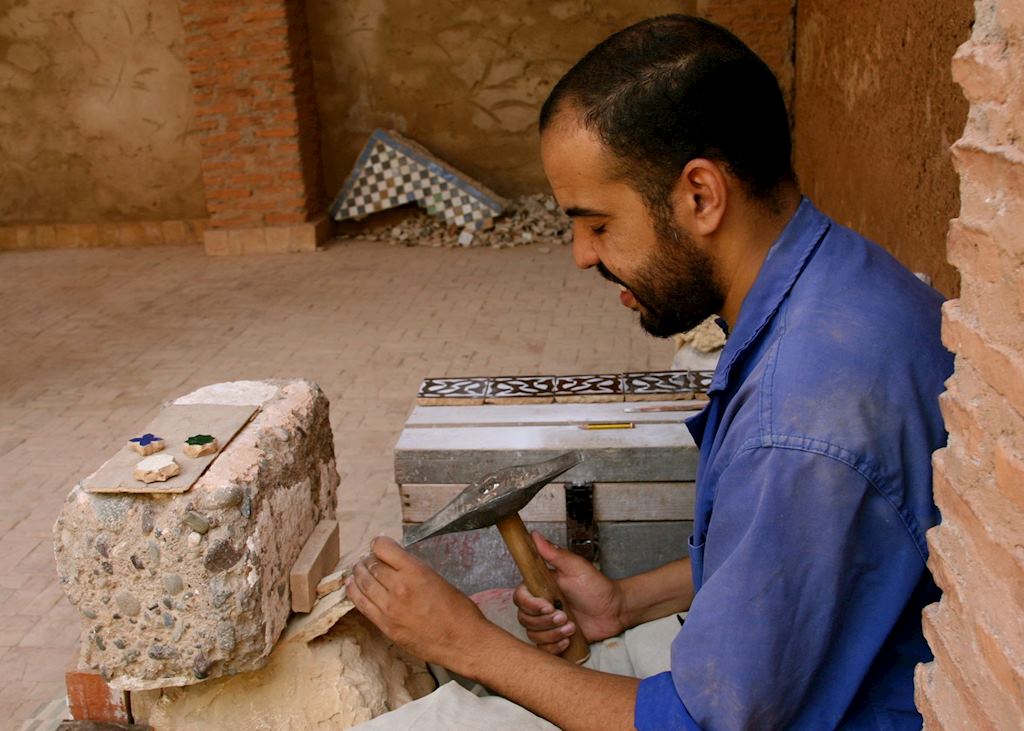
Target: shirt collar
779,272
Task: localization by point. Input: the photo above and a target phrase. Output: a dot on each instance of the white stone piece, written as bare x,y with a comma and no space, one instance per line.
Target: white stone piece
259,501
156,468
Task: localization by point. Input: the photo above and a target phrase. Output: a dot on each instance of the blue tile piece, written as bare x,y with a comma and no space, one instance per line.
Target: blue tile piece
392,170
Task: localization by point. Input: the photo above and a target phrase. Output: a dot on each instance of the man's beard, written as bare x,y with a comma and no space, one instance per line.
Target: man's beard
675,288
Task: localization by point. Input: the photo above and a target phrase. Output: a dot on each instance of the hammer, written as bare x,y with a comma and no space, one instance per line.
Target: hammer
496,499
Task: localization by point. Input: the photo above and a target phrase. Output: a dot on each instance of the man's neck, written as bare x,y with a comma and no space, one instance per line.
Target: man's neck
748,238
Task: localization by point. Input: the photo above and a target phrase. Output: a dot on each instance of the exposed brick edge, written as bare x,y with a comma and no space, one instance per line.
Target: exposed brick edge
976,680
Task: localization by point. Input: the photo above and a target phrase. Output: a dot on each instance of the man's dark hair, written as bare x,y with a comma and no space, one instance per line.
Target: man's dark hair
674,88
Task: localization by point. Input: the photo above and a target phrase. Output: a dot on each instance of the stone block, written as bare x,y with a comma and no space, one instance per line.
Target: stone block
46,237
26,237
174,589
88,235
278,239
350,674
67,235
174,233
8,238
215,241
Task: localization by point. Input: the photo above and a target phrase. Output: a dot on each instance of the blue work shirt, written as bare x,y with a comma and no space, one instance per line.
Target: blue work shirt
813,497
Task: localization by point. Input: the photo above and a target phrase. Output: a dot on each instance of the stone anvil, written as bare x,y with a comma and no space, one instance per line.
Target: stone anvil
177,588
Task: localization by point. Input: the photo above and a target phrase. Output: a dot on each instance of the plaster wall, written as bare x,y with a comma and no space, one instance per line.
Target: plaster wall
875,114
464,79
95,114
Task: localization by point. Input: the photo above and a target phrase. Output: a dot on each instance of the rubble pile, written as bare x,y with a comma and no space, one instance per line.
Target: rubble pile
528,219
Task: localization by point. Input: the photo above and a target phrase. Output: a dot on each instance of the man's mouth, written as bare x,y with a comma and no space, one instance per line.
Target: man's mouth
626,298
625,295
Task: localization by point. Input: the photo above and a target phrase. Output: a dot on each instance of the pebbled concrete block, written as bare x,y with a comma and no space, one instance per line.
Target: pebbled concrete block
175,589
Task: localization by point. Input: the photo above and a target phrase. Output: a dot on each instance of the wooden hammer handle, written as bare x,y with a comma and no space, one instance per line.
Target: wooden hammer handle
540,581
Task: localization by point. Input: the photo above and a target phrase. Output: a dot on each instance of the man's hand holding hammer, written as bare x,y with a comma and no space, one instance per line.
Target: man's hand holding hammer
416,608
603,607
423,613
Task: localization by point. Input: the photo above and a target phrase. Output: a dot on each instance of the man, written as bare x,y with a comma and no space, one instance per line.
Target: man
669,147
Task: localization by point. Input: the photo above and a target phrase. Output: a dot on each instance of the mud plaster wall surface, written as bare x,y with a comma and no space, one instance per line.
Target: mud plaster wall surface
464,79
95,110
875,113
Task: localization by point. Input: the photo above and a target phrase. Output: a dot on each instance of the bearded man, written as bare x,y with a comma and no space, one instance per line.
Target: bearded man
669,147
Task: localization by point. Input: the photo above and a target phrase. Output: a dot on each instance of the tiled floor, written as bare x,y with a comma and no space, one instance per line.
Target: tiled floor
92,342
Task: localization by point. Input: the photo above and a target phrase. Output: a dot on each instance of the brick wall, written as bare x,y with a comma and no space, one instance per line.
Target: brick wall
976,630
252,85
765,25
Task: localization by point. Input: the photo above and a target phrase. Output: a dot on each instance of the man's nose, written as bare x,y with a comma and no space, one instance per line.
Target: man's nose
583,253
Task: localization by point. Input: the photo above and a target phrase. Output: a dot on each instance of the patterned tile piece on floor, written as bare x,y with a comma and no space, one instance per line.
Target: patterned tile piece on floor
588,388
452,392
392,170
521,390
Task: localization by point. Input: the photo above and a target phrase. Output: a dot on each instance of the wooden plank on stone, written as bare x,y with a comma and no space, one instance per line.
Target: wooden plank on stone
624,501
317,557
175,423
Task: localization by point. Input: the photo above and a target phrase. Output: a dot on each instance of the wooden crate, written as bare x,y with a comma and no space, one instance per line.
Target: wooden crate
642,481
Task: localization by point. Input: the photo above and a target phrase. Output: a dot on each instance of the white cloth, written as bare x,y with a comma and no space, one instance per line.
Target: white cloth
639,652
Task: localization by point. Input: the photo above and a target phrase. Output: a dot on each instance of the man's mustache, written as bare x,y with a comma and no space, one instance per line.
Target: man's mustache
609,276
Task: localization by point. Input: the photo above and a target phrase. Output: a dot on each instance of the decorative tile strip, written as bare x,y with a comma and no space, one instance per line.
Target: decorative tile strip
452,392
583,388
521,390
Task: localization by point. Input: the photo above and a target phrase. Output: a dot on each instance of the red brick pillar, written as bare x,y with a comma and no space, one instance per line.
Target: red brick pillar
252,82
977,630
767,26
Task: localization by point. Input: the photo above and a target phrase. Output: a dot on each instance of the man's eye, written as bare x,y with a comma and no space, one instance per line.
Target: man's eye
598,229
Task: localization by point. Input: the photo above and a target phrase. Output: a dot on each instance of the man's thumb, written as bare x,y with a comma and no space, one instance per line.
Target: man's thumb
551,553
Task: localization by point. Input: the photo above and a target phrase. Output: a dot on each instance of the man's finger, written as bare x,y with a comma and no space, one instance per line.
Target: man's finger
530,604
551,636
556,648
383,573
368,584
390,552
363,603
542,622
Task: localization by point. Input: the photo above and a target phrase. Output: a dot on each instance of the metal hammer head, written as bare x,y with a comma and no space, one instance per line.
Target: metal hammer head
493,498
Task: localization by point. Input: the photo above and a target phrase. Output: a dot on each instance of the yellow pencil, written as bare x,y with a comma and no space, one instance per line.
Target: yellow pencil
609,425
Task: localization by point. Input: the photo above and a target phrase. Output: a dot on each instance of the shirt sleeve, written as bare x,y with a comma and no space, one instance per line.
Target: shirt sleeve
807,569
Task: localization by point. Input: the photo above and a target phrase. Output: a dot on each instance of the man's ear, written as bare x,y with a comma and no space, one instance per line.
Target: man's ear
700,196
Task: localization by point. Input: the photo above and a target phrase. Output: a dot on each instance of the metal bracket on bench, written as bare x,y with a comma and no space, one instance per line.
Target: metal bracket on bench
580,527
